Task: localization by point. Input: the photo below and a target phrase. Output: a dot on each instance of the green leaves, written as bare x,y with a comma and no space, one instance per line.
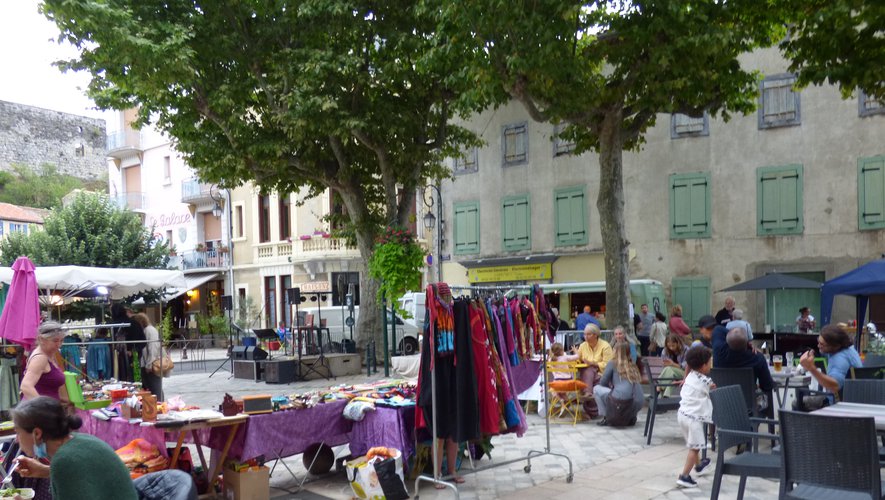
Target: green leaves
397,262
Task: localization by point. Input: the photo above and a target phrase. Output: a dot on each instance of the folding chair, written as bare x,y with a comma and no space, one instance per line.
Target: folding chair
570,405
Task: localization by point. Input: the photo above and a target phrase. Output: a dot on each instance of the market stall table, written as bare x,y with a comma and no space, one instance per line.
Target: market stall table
389,427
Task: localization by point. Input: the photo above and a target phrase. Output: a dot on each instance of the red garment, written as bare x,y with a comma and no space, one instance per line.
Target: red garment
487,394
677,325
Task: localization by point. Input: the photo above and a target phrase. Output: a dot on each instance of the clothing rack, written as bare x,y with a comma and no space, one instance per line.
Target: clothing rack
435,478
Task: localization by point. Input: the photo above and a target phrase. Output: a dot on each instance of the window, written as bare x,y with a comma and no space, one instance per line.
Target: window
690,206
693,294
870,193
516,144
348,280
169,236
778,103
285,208
466,227
167,170
561,146
238,222
18,228
270,301
263,218
285,309
570,211
467,163
686,126
516,223
867,105
779,200
2,223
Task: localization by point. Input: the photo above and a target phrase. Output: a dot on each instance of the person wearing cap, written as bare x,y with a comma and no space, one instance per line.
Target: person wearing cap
707,324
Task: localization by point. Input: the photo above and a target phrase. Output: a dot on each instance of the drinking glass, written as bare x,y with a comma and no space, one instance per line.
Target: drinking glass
789,360
778,362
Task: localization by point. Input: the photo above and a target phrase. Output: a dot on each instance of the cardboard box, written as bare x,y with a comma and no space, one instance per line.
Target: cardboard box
247,485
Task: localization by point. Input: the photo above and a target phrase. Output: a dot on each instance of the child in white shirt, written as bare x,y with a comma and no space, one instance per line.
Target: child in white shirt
695,408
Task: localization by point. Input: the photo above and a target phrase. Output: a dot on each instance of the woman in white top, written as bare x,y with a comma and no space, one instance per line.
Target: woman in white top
151,353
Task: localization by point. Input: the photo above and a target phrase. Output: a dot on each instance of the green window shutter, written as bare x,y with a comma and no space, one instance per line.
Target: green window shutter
690,206
466,227
871,193
570,211
779,200
516,223
694,296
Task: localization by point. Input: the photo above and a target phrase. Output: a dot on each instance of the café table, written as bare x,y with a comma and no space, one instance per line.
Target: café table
856,410
788,378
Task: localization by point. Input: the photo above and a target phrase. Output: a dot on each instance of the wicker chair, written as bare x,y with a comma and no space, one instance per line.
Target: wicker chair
657,402
829,457
735,427
864,391
741,377
868,372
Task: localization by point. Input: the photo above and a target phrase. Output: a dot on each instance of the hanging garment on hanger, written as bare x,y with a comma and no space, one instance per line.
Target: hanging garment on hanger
487,394
98,360
512,410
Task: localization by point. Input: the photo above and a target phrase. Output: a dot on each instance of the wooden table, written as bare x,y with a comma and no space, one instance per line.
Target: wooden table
856,410
232,424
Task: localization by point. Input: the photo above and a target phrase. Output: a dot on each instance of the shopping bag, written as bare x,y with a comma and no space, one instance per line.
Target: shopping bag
163,366
390,477
365,481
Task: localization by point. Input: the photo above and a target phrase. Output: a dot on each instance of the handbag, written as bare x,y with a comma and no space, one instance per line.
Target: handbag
163,366
619,412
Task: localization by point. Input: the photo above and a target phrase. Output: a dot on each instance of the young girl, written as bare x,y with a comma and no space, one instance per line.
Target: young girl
557,353
695,408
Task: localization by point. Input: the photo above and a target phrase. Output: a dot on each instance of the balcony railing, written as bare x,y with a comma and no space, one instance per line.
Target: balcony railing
194,191
124,139
211,259
318,245
133,200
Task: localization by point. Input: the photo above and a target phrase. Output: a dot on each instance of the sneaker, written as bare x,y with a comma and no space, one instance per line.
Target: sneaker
702,467
602,423
686,482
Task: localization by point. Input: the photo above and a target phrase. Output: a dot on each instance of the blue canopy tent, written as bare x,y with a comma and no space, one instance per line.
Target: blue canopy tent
866,280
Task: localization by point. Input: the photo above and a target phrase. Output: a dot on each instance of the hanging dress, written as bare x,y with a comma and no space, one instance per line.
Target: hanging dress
487,395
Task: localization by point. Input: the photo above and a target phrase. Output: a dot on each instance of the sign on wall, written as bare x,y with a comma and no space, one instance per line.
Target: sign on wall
518,272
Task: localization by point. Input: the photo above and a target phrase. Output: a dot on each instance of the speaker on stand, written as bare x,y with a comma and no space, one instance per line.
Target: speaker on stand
227,304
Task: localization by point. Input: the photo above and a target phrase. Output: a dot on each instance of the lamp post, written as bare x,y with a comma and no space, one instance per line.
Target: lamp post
431,220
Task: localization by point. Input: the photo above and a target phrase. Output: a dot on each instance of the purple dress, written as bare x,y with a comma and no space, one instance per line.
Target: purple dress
50,382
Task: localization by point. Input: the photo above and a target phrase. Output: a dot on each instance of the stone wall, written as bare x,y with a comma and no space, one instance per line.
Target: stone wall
32,136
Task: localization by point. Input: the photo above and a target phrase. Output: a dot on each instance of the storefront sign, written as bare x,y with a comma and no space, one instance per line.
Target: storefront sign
316,287
520,272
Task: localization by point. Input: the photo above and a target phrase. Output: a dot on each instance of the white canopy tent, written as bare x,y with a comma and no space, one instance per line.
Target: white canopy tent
120,283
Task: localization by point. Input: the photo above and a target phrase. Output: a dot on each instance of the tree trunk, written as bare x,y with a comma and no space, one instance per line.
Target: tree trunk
610,204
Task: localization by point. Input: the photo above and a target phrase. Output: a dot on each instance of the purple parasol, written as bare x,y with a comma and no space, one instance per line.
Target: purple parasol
21,313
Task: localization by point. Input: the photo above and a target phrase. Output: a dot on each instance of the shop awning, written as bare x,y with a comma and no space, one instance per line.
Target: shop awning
192,281
120,283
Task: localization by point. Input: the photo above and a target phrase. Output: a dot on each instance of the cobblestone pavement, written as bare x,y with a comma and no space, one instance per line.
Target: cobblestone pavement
608,463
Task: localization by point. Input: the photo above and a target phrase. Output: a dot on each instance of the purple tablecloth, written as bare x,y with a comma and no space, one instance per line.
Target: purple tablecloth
525,374
390,427
118,432
286,433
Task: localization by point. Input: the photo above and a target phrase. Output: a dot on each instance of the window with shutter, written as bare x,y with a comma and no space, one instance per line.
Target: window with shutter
515,144
570,211
467,163
561,146
871,193
779,201
690,206
516,223
779,104
868,105
685,126
466,227
693,294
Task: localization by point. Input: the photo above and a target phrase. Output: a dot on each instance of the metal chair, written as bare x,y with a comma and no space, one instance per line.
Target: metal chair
735,427
571,388
868,372
657,401
829,457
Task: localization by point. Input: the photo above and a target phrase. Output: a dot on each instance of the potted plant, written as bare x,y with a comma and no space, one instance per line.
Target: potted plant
200,247
223,249
305,237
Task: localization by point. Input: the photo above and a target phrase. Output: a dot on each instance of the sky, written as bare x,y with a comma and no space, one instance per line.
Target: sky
27,75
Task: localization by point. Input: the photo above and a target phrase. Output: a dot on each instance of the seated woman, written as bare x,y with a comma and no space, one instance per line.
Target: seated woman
620,335
82,466
620,381
835,345
673,355
596,353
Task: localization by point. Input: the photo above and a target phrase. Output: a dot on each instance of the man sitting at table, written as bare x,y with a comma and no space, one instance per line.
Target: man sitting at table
731,349
835,345
596,353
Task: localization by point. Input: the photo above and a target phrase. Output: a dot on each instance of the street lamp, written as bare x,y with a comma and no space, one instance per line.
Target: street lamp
430,221
218,198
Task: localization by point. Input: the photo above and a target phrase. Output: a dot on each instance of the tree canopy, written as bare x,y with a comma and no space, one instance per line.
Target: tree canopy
314,93
606,69
91,231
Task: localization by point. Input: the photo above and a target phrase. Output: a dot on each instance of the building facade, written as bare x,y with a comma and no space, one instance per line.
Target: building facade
798,187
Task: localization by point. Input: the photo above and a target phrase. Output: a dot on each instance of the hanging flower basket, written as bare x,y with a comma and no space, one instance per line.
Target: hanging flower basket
305,237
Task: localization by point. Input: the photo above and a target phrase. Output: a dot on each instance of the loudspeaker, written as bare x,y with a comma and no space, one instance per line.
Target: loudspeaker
256,354
280,371
227,303
293,295
239,352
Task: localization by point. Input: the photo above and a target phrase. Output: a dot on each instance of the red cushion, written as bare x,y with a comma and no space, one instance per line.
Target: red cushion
568,385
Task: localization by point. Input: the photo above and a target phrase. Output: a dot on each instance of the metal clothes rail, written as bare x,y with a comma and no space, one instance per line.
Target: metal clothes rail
436,479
